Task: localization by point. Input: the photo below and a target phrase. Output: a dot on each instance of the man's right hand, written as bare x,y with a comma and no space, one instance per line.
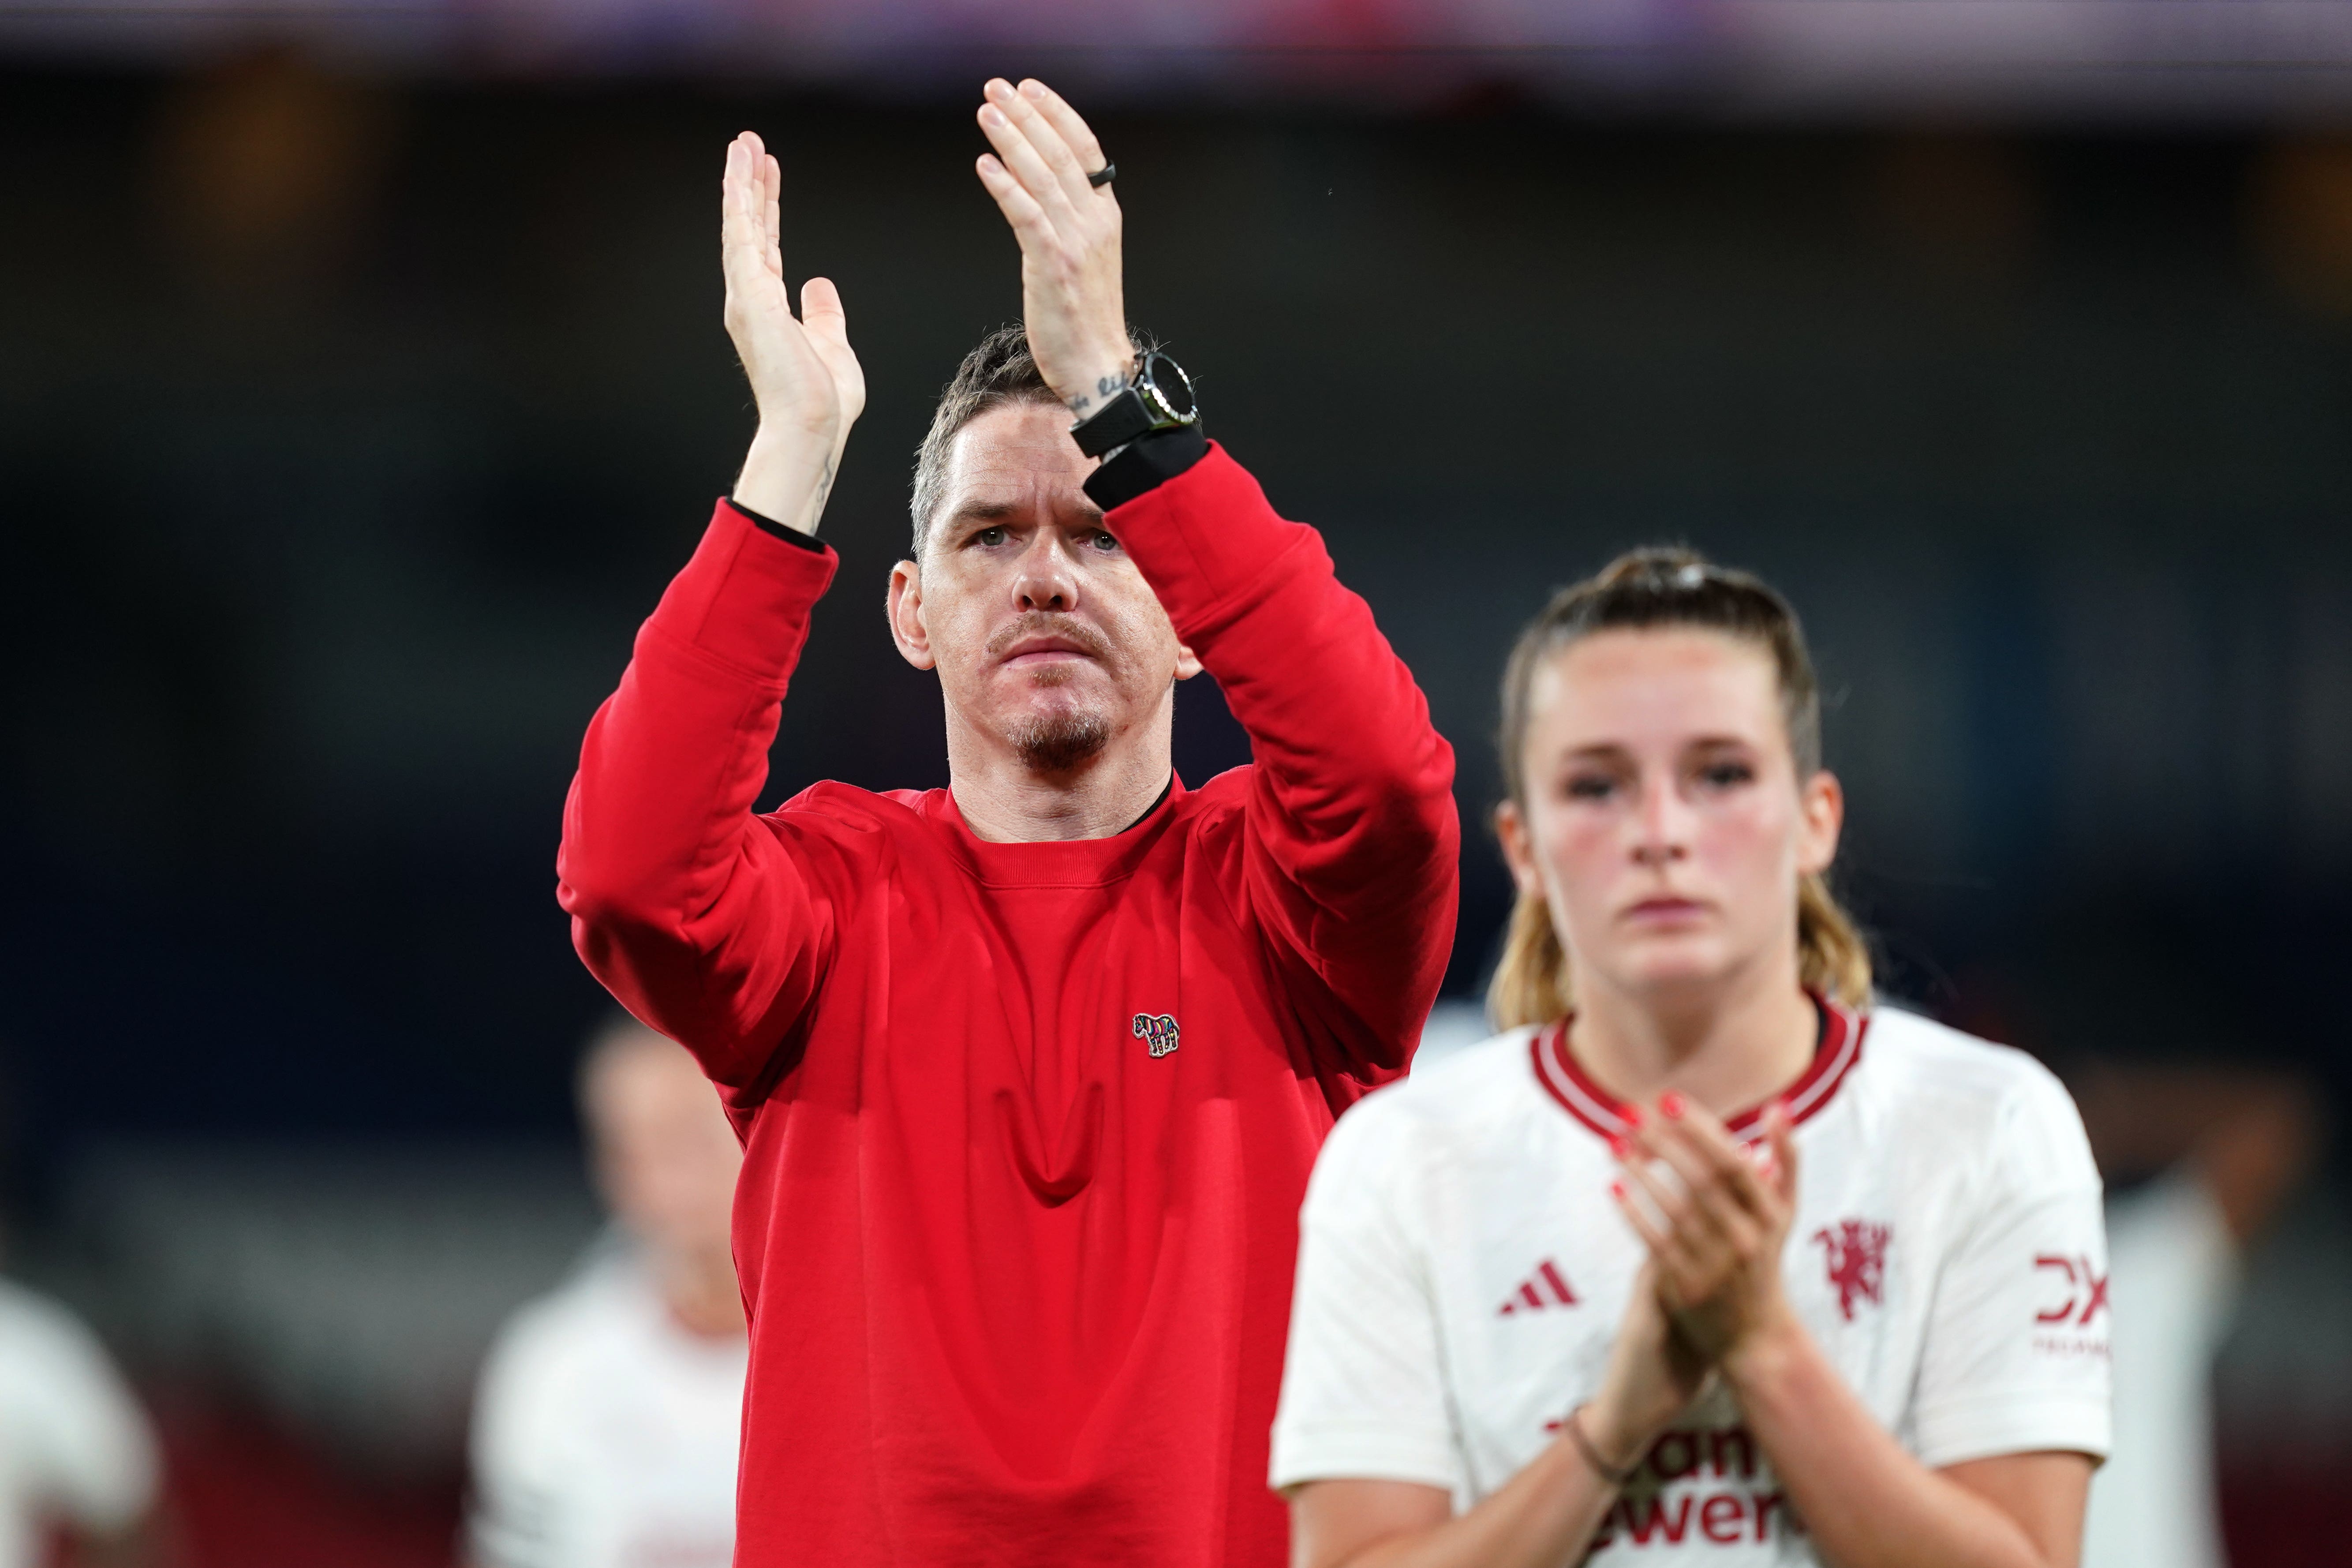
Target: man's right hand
803,376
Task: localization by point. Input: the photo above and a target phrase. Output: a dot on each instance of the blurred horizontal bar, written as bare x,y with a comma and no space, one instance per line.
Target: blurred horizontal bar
2226,59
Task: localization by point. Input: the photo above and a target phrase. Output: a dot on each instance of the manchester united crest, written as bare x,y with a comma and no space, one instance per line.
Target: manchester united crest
1157,1031
1857,1261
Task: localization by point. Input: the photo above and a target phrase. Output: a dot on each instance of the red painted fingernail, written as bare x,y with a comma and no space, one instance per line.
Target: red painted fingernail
1619,1147
1617,1190
1632,1116
1671,1103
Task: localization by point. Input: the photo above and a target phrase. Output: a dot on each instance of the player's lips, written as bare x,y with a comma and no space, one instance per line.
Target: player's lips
1664,911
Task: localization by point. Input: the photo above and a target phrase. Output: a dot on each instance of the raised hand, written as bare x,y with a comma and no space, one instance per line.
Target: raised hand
804,379
1715,1219
1072,293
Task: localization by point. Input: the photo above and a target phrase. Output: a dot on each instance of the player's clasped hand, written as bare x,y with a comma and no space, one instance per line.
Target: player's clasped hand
1069,229
1715,1219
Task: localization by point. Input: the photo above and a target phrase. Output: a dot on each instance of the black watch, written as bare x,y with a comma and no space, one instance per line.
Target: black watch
1158,399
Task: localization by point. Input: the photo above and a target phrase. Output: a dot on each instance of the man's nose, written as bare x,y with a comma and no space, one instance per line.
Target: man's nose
1045,580
1662,829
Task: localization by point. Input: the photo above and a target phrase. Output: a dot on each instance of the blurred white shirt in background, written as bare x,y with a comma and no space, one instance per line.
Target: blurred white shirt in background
74,1447
2173,1275
606,1432
1456,1024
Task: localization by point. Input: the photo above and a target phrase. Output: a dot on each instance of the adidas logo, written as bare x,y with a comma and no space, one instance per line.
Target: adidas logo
1547,1286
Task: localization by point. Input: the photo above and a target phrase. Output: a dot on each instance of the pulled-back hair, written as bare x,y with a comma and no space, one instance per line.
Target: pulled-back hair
1660,587
999,371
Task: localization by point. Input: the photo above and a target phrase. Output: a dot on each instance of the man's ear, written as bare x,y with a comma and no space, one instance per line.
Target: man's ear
906,612
1188,663
1518,848
1822,803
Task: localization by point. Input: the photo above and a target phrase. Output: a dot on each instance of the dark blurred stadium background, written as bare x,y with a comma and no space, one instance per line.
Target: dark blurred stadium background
362,381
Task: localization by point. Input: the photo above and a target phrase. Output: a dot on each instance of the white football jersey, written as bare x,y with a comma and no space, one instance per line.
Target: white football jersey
1463,1270
605,1434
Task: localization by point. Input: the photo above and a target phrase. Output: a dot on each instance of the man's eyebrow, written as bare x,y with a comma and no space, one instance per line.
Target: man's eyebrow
987,512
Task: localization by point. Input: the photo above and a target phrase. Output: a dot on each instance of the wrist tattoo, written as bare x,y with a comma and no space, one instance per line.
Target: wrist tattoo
1106,388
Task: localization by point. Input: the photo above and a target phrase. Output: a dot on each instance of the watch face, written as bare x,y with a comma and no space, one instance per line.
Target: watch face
1163,381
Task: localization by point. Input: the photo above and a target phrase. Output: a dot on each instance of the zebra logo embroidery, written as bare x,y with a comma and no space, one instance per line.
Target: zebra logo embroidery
1157,1031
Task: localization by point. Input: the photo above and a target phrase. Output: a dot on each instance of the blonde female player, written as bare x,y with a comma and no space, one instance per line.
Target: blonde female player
1705,1260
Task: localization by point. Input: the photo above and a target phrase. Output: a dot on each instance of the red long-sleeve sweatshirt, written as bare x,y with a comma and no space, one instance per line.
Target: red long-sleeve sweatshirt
1026,1125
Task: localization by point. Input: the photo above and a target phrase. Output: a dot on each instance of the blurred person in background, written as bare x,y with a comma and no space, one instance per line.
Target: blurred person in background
77,1460
1031,1069
1706,1258
2198,1161
606,1426
80,1464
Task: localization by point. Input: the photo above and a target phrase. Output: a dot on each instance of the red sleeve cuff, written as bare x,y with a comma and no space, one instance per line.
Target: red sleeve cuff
745,596
1210,544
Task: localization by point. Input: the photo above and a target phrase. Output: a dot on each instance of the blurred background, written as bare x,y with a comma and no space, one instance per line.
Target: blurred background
361,382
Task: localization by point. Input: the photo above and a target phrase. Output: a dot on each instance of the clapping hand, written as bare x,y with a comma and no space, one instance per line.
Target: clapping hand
1072,296
1715,1218
803,376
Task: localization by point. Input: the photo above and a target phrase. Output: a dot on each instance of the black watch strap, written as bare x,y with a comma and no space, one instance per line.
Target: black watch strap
1115,424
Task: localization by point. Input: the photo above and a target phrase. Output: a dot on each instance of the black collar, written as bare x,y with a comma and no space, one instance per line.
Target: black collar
1165,791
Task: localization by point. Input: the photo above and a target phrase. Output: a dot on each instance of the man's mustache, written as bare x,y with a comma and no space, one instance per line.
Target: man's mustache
1045,624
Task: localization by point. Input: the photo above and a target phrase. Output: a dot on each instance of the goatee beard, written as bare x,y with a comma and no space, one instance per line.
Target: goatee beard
1056,743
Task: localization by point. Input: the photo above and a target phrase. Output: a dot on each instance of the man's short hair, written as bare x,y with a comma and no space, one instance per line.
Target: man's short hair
998,372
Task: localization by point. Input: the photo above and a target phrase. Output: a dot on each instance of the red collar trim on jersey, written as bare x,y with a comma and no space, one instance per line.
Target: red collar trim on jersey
1843,1029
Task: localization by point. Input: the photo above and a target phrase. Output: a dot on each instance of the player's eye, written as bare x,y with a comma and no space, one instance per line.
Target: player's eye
989,538
1104,541
1725,774
1589,786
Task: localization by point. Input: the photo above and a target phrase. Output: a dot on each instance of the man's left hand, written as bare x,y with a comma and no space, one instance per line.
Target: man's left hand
1071,293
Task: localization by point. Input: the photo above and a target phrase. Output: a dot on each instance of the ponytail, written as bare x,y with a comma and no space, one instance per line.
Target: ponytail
1832,957
1530,983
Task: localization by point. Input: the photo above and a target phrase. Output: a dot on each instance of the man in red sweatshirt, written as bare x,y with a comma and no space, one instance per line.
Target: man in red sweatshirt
1030,1072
